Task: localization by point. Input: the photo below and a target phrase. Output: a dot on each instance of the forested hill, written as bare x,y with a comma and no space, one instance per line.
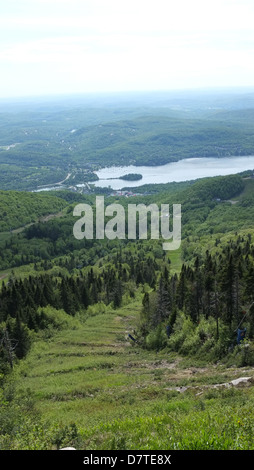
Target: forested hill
157,140
18,209
206,209
47,144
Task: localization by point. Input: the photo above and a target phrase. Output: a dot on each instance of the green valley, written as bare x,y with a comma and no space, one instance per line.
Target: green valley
78,378
64,141
111,343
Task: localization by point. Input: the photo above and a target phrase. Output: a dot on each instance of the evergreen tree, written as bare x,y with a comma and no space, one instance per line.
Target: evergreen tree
22,337
67,298
164,298
181,289
117,294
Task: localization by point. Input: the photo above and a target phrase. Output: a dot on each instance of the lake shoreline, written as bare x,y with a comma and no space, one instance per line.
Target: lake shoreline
177,171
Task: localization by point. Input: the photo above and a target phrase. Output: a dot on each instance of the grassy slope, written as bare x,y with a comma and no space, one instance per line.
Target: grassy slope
122,397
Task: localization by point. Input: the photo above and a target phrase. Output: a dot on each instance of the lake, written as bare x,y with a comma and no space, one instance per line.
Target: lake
183,170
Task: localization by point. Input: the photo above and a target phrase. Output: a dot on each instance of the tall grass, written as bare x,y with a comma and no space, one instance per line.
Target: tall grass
88,385
187,425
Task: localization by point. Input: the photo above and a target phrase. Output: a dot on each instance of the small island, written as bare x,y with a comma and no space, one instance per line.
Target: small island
131,177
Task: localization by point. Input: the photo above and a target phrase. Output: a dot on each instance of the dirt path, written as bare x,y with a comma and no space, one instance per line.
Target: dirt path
232,202
55,184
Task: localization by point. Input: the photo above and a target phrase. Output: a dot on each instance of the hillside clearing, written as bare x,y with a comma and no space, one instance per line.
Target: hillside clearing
93,375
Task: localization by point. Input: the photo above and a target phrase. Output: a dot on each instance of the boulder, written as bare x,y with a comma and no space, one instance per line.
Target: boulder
68,448
241,380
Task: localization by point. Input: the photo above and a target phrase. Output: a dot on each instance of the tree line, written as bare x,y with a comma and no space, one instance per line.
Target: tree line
22,300
217,288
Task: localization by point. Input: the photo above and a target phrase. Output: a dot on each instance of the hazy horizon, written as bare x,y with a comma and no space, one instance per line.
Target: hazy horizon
125,95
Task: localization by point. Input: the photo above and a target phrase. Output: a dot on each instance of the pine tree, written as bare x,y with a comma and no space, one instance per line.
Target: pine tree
229,288
117,294
249,284
67,298
181,289
164,298
22,337
209,280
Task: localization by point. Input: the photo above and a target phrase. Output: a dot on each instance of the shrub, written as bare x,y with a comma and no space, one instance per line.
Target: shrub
191,344
242,355
183,329
157,339
96,309
200,340
66,436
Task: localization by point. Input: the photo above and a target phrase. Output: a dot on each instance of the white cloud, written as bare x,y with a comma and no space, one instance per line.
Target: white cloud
137,16
52,51
102,45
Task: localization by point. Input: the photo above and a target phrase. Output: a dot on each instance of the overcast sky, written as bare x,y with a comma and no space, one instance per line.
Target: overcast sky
72,46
